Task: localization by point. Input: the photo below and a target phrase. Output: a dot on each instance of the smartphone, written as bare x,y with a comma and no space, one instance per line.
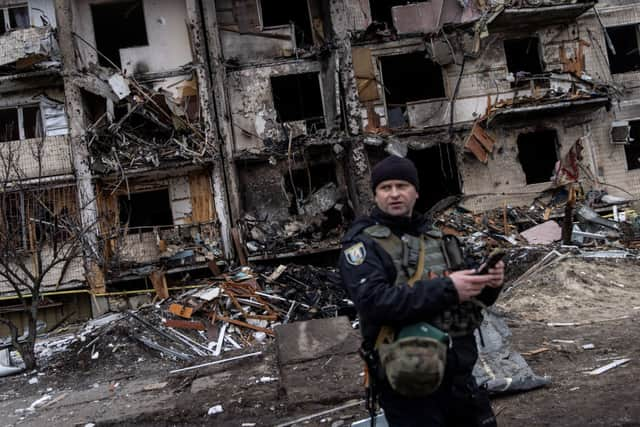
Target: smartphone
494,257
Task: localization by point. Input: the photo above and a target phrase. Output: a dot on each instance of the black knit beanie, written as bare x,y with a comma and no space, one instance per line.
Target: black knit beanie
394,167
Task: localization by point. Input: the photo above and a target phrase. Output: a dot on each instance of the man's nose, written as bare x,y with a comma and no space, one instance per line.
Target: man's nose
394,191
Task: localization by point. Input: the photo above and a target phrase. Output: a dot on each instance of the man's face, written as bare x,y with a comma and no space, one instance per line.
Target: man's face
396,197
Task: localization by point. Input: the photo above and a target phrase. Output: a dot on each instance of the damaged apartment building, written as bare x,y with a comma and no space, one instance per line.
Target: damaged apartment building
189,136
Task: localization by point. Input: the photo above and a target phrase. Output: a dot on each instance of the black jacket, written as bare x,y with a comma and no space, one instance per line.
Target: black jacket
371,283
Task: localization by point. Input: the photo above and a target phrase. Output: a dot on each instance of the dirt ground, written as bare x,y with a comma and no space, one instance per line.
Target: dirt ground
132,385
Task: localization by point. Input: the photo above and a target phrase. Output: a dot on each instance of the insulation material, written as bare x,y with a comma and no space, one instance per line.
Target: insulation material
55,118
365,74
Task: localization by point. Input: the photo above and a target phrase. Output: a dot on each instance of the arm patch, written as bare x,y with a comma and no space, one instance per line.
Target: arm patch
356,254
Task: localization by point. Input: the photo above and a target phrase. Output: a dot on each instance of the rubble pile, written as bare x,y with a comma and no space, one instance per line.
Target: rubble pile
319,224
232,312
152,127
600,220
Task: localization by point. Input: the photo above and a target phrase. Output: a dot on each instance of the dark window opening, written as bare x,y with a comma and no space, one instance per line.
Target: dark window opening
284,12
298,97
632,150
407,78
438,174
117,26
3,24
523,59
538,154
31,122
626,43
19,17
146,209
306,182
94,105
9,130
12,227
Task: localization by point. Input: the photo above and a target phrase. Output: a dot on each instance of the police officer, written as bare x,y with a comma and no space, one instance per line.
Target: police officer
380,253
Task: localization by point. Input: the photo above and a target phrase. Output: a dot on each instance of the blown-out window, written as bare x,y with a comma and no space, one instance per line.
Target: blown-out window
14,17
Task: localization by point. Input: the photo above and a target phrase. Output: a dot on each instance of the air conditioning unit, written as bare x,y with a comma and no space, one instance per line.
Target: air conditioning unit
620,132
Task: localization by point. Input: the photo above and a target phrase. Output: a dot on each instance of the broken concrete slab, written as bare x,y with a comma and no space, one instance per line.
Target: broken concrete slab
305,341
543,234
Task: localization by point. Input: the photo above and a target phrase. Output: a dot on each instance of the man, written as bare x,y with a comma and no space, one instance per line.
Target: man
378,259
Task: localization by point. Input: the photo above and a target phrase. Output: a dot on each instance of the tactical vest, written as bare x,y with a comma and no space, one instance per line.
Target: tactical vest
457,320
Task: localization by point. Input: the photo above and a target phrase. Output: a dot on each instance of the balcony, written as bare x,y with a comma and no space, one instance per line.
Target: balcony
538,13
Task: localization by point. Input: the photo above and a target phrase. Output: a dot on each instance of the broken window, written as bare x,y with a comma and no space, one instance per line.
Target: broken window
276,13
407,78
538,154
626,42
117,26
36,217
438,174
12,227
146,209
632,150
20,123
14,17
9,125
524,59
298,97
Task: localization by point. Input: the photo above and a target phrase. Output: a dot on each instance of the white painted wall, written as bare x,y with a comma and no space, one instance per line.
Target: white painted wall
40,8
166,23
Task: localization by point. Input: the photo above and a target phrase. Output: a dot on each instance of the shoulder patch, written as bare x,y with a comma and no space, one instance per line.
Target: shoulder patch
379,231
356,254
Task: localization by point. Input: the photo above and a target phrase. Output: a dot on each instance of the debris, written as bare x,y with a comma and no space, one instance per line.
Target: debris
543,234
536,351
347,405
33,380
155,386
608,367
588,346
38,403
217,362
216,409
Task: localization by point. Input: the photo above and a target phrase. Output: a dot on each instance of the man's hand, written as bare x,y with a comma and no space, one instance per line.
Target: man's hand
496,275
468,283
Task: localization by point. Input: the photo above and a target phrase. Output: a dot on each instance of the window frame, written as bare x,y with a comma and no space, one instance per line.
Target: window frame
21,128
636,26
624,148
7,21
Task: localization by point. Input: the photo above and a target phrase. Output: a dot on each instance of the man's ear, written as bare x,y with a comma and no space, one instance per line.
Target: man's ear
417,195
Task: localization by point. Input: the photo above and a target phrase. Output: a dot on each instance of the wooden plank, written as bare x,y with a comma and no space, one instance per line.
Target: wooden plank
475,147
242,256
159,282
201,198
181,310
365,74
483,137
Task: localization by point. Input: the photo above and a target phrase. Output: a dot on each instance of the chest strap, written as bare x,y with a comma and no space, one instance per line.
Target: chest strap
386,334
